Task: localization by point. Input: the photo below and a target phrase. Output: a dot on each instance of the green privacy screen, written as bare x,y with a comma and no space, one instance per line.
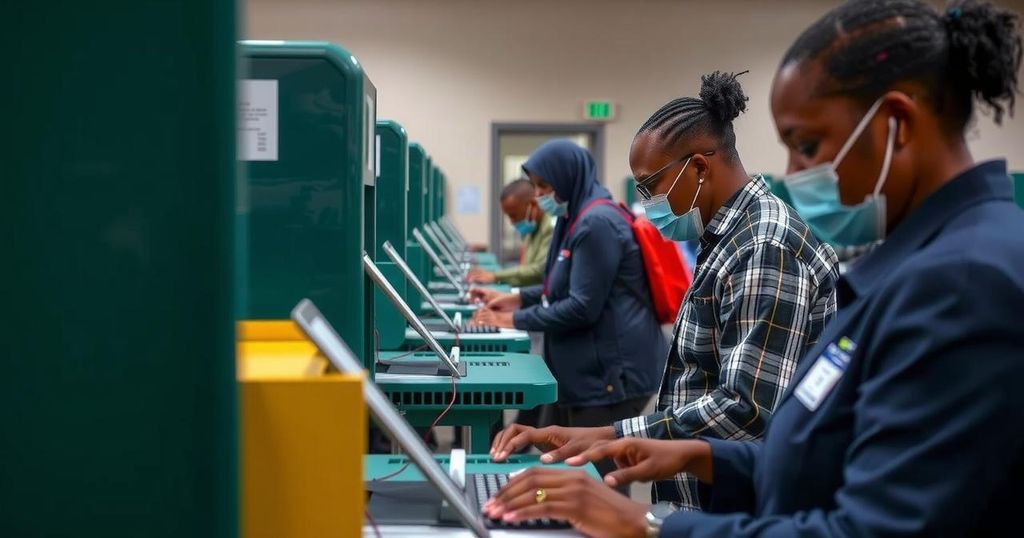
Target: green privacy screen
310,195
118,390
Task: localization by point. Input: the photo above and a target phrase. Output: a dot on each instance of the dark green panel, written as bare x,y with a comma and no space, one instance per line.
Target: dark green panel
392,186
306,209
118,391
442,195
417,175
418,164
629,193
428,191
436,200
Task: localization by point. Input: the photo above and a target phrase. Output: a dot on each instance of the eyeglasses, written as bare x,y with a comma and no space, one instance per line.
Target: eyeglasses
644,187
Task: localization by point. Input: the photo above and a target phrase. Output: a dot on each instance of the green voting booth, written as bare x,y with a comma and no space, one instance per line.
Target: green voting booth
118,391
391,200
419,164
311,215
310,174
439,194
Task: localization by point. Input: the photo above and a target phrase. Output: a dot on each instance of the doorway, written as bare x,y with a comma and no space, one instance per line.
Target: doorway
511,145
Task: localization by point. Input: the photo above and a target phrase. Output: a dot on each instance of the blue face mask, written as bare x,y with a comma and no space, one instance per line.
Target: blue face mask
815,196
526,226
675,227
548,205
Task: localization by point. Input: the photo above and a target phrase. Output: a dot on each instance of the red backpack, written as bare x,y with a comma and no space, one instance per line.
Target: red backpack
667,276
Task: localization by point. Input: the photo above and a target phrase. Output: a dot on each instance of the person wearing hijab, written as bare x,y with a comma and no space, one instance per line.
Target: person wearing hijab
602,340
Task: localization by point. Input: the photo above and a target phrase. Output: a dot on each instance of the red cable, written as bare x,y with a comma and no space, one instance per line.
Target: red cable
410,352
373,523
426,436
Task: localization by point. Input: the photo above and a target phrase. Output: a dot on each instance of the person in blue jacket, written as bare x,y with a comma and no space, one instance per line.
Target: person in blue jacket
601,338
907,418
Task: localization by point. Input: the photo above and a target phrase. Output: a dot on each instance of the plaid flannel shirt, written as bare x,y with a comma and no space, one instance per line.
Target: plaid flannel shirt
764,287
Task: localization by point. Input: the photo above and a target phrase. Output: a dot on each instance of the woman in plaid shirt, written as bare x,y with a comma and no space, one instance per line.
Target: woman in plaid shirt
763,289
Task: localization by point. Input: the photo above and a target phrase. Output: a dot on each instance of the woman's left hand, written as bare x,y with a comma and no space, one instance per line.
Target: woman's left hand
486,316
569,495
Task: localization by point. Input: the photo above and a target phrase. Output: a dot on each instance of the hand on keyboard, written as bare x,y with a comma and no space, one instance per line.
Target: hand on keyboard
567,495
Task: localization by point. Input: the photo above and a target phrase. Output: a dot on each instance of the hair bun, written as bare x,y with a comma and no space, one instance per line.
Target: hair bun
723,95
985,49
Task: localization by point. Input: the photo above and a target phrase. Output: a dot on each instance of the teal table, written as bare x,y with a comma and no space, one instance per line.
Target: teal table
443,286
509,340
451,308
493,383
377,465
485,258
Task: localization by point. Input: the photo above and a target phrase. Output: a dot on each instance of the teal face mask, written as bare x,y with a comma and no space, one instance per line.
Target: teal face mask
815,196
526,226
548,205
675,227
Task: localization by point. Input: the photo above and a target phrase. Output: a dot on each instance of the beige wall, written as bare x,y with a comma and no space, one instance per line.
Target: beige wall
447,69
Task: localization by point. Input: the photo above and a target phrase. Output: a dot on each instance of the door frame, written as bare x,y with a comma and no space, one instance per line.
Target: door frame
595,130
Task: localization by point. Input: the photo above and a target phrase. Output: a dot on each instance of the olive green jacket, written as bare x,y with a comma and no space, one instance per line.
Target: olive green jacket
532,269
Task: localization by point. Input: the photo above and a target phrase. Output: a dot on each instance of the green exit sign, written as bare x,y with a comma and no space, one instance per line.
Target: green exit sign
599,110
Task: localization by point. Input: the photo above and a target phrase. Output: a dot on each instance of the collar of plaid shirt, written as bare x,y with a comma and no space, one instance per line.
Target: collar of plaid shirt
733,208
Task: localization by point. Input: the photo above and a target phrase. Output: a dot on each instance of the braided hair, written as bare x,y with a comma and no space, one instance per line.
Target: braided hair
721,101
970,51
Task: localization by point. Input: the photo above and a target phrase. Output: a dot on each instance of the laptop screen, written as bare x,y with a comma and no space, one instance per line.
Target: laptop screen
442,247
447,242
432,254
382,282
423,291
313,324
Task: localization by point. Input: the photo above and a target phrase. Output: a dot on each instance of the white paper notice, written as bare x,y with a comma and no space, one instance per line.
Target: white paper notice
257,120
467,200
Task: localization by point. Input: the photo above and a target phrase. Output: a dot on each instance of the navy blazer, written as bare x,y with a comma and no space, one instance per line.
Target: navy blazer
601,338
907,418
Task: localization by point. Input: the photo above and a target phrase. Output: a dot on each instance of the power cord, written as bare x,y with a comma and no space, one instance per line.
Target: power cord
376,529
426,436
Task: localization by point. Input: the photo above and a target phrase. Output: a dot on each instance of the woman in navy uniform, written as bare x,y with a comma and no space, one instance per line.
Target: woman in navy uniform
907,418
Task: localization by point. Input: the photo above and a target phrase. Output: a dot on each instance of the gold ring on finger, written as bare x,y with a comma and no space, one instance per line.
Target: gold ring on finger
541,495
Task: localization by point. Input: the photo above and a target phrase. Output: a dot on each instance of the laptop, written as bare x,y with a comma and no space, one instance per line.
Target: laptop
432,254
448,365
460,503
456,250
445,251
453,232
446,323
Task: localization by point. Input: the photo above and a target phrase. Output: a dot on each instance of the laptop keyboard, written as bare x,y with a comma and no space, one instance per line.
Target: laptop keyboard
479,329
486,485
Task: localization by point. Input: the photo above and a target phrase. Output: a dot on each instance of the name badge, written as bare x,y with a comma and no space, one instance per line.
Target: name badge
825,373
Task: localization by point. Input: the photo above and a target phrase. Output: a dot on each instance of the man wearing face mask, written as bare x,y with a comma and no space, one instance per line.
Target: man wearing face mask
763,290
519,205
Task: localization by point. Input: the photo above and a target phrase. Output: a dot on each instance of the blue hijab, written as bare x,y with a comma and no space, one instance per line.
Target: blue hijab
570,169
